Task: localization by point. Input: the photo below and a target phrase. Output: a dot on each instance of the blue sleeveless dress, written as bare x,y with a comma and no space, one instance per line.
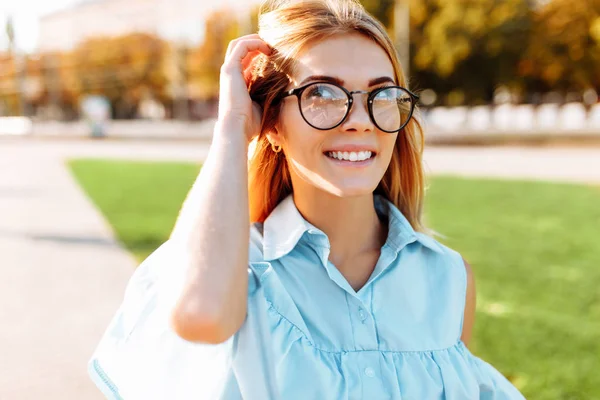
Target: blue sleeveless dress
309,334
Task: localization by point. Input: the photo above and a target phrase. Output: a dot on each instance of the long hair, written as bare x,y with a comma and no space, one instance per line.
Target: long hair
288,26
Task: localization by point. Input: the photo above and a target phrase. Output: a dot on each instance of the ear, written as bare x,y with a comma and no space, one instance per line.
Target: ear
275,137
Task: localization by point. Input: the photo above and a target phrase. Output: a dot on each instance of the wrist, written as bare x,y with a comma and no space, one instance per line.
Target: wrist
231,130
232,123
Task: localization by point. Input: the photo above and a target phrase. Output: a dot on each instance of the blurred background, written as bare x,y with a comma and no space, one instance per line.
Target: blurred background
494,65
106,114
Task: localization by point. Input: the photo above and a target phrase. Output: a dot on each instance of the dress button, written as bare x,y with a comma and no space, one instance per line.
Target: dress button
362,315
370,372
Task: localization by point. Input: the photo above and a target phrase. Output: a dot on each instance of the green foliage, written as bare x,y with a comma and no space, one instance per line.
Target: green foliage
533,248
121,68
564,51
383,10
205,62
469,44
462,49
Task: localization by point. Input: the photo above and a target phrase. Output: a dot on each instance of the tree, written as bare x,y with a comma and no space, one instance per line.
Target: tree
10,96
204,63
564,52
120,68
9,99
468,44
383,10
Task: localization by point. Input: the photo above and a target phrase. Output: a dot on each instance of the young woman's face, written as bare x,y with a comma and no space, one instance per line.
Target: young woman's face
313,155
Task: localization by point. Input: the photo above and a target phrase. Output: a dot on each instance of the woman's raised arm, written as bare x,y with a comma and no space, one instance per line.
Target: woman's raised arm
213,224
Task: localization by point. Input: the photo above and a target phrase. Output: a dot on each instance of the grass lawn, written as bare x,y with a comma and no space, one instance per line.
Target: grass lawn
141,200
534,248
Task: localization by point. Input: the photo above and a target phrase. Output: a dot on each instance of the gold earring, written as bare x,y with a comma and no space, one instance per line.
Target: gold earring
276,149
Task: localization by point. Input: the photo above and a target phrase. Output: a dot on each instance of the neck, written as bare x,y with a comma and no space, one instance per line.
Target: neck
350,223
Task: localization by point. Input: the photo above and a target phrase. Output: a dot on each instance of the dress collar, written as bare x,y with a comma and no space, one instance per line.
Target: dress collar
285,226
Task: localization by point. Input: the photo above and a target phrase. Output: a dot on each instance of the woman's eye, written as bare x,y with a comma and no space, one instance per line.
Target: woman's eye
320,91
384,95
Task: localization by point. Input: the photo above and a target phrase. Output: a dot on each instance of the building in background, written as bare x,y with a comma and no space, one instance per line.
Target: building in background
92,47
180,21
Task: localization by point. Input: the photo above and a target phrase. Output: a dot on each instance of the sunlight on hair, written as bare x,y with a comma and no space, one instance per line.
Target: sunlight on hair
252,148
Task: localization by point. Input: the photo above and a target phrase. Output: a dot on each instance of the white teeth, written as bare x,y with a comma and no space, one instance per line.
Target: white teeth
350,156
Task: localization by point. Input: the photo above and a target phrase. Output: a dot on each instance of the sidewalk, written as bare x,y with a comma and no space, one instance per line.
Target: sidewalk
555,164
62,277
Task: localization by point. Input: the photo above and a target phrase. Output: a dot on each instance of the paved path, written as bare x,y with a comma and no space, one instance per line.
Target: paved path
580,165
61,278
62,275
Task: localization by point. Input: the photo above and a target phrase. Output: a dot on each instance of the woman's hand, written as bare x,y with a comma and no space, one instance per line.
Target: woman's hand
235,104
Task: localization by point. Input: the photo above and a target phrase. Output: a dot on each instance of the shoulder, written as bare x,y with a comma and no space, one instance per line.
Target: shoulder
461,273
463,269
449,257
439,248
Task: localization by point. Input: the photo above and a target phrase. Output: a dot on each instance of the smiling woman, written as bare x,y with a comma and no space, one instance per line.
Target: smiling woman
335,290
352,66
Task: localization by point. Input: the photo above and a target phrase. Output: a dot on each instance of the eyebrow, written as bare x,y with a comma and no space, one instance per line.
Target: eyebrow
333,79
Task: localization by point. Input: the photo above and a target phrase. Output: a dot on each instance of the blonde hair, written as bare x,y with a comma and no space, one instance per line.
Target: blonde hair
288,26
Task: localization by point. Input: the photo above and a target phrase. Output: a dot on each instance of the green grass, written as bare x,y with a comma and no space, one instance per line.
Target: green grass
534,248
535,252
141,200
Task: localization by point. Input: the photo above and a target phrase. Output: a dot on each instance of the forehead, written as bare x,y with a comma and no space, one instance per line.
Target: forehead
353,58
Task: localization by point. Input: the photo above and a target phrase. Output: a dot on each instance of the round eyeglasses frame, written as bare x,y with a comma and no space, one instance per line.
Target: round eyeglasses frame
371,95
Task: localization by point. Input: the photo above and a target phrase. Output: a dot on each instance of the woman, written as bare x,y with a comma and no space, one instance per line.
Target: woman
336,291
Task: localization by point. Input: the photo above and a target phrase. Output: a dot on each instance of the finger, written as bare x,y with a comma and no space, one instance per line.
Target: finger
248,67
234,42
247,72
248,60
243,48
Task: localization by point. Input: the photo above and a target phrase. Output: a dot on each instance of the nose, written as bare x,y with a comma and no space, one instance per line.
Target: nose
358,119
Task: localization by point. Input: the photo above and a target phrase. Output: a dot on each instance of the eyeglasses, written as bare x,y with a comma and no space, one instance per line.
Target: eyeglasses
325,105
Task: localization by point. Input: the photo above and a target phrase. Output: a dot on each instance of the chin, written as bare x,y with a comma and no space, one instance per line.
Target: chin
351,190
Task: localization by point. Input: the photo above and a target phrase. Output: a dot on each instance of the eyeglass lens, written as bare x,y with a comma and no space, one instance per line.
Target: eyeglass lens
324,106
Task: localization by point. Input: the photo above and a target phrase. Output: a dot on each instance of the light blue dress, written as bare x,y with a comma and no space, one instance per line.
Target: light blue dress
310,335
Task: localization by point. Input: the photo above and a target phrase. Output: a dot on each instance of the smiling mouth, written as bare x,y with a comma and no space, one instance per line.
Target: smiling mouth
353,156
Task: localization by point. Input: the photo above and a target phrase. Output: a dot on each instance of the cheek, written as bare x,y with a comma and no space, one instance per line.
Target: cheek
301,141
388,143
289,116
